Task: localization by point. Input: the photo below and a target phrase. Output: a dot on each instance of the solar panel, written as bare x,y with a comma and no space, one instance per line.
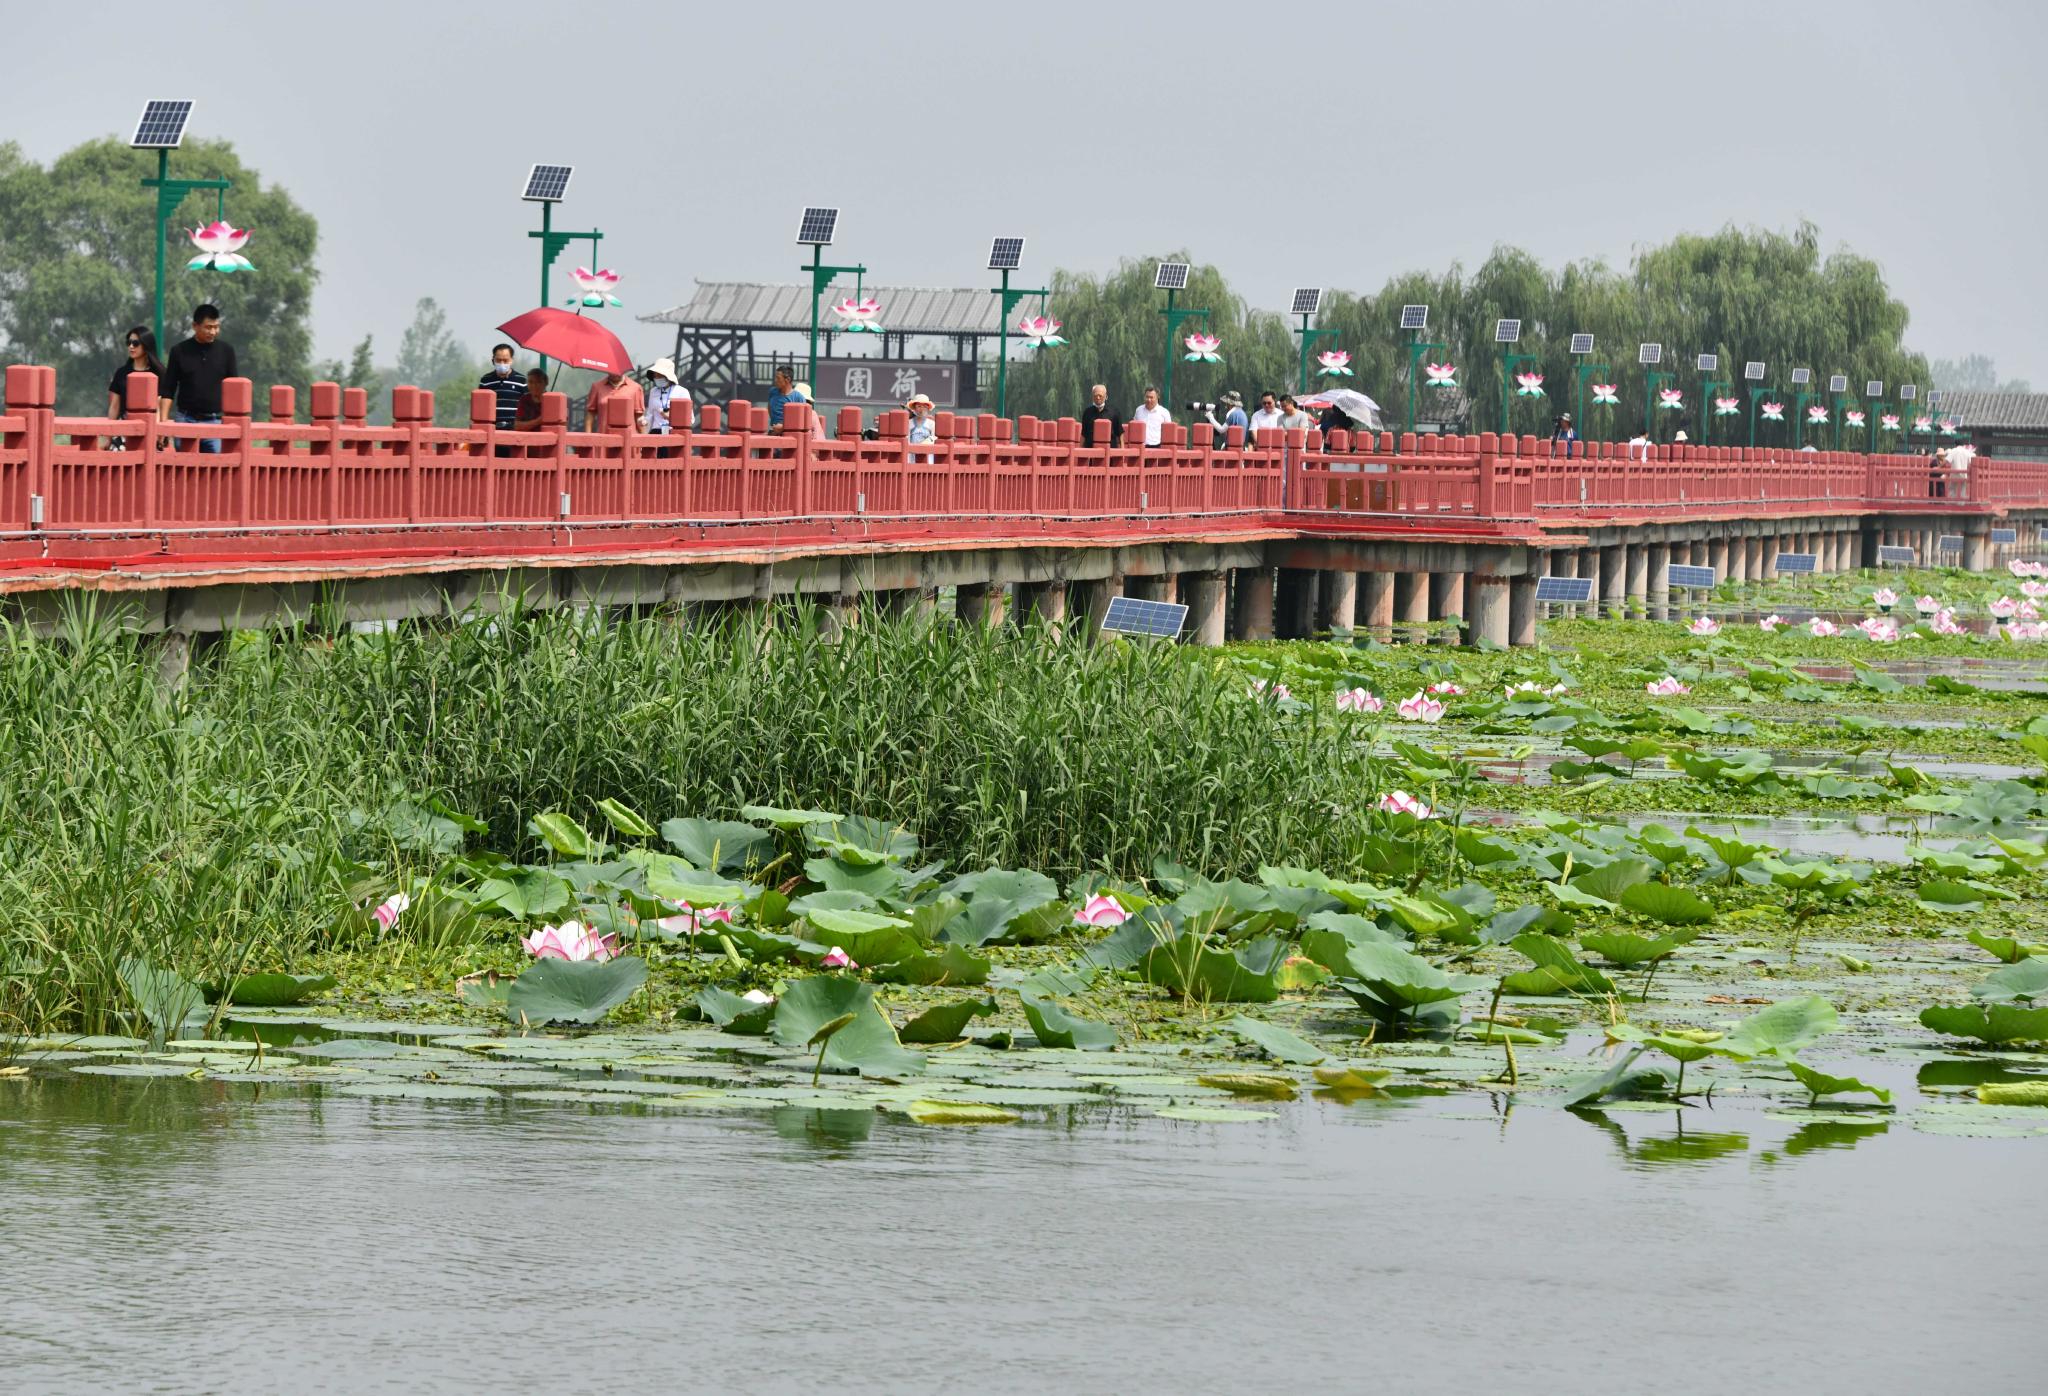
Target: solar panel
1307,300
1891,555
1797,562
1582,344
1934,397
1649,353
1707,363
1684,575
1507,331
1127,615
1839,383
1754,371
1801,377
2005,535
162,126
1565,590
546,184
1908,391
1949,543
1171,276
1006,254
1414,317
1873,387
817,227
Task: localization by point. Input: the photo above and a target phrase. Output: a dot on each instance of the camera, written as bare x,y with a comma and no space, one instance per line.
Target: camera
1198,408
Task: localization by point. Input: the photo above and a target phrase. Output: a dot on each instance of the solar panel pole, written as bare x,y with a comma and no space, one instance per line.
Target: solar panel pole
1707,389
1308,342
1757,395
1508,364
1174,316
1583,372
169,194
552,245
1839,399
1799,418
1870,426
1010,300
1416,349
1650,382
821,277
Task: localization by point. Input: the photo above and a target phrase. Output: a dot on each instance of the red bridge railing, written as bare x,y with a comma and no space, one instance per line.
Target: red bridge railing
84,488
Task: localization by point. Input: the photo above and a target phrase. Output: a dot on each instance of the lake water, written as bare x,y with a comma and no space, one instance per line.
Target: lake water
184,1236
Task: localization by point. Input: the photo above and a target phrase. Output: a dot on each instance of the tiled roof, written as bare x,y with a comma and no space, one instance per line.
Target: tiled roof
1997,411
753,305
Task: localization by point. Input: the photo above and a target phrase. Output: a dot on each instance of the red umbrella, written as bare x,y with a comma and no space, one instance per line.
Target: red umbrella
575,340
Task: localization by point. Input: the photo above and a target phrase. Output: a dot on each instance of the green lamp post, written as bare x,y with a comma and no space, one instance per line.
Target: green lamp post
1649,356
548,185
1838,389
1873,392
1802,379
1582,372
1415,319
1505,334
1006,255
1172,278
1308,300
162,129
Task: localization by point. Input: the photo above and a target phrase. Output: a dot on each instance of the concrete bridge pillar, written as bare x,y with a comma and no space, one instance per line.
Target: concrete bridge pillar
1045,601
1339,609
979,603
1658,583
1522,610
1205,593
1411,603
1486,600
1738,560
1254,588
1589,568
1753,550
1977,547
1767,549
1295,617
1379,605
911,601
1613,587
1447,601
1563,562
1638,577
1717,555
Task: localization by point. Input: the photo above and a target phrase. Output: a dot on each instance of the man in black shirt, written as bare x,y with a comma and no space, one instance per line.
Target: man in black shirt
193,372
1098,409
509,386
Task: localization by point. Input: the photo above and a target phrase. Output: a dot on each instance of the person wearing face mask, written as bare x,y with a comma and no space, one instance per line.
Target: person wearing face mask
500,380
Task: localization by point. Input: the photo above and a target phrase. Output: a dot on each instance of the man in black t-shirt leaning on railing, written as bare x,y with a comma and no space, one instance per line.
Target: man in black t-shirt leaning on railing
193,372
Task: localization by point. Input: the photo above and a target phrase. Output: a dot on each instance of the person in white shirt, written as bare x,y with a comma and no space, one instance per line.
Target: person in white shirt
668,403
1152,416
1640,446
1268,415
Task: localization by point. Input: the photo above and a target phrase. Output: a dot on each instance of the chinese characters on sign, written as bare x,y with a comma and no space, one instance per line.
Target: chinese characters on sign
881,384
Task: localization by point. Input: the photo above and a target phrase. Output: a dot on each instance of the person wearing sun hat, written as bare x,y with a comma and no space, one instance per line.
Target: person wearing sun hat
1562,431
924,427
668,403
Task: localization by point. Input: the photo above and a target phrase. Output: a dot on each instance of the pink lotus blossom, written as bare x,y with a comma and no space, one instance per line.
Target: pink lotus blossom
1420,707
1401,802
1820,628
1666,687
1705,625
2026,630
2003,607
387,912
835,958
1884,598
1945,623
2027,611
1555,690
1261,689
572,940
689,919
1926,605
1358,700
2021,567
1102,911
1447,689
1877,628
1770,623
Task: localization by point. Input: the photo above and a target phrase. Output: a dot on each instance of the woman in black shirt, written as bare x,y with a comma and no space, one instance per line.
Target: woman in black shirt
141,359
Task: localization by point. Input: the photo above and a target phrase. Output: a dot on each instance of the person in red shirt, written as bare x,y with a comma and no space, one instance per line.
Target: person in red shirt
610,386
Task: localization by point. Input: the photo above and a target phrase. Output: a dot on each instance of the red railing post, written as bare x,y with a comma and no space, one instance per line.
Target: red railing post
237,409
323,409
140,408
554,419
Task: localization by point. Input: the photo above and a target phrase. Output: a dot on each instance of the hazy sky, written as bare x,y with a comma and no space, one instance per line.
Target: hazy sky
1330,145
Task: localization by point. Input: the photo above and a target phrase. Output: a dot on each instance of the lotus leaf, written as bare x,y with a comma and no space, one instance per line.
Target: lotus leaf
1626,948
2005,948
1572,895
1352,1078
866,1042
2021,982
624,820
276,990
1782,1028
1192,967
1556,972
1819,1083
163,997
1610,880
861,840
1396,976
1263,1085
718,844
788,818
1277,1042
948,964
562,834
1128,944
573,991
955,1112
1055,1027
1535,916
2013,1093
733,1012
526,894
1585,1087
946,1022
1006,906
1674,906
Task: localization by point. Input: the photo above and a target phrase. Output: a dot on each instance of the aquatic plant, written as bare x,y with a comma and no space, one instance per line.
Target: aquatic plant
572,940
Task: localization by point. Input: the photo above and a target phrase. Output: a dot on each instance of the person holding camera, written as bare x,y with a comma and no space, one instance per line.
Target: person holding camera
1563,433
1233,417
1152,416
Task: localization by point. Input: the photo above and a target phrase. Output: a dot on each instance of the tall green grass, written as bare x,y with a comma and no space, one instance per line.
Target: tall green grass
222,822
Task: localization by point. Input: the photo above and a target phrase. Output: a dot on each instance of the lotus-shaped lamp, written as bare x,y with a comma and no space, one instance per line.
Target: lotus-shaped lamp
2033,589
1202,349
1040,332
1440,375
1770,623
1945,623
1923,424
1103,912
1401,802
1853,417
1727,406
1705,625
1927,605
1336,362
1670,399
1820,627
572,940
1666,687
388,910
2022,567
220,248
597,287
1888,421
1816,414
1419,707
858,316
1529,384
1604,395
1948,426
1772,411
2004,607
1358,700
1884,598
2028,611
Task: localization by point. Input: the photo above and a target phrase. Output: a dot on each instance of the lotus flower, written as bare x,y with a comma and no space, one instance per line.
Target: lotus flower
1419,707
1261,689
2026,631
1727,406
1202,349
758,996
1883,631
1530,686
1669,399
1923,424
1529,385
1770,623
1884,598
1948,426
388,910
1945,623
2003,607
1816,414
1447,689
1888,421
1927,605
1441,375
220,248
1705,625
690,920
2021,567
835,958
1040,332
1853,417
597,286
1358,700
2028,611
1336,361
1604,395
1401,802
2033,590
1772,411
1102,911
859,316
572,940
1820,628
1666,687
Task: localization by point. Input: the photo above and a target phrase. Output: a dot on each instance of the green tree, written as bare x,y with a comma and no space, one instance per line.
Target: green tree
78,264
1973,373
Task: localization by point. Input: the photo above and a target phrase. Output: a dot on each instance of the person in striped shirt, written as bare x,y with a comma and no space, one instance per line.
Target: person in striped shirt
505,383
